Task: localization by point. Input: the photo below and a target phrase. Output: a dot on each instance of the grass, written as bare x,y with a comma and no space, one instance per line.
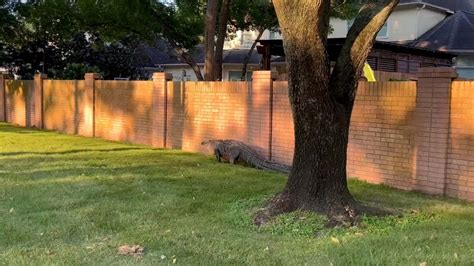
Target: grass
73,200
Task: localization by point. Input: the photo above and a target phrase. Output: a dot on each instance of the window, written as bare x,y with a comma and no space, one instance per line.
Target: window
372,60
383,33
235,75
387,64
274,35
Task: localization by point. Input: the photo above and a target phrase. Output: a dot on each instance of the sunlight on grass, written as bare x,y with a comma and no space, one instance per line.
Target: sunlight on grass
73,200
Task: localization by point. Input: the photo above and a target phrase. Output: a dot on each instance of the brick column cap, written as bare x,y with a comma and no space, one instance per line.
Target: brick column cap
437,72
162,76
264,74
92,76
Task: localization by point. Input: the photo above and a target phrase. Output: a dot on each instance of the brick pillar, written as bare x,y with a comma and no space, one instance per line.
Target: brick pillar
89,104
3,99
432,115
260,112
159,109
37,120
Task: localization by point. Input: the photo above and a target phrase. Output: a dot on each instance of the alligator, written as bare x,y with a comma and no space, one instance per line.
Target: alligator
237,151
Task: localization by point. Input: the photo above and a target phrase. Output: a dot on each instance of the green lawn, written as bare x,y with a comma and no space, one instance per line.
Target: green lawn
73,200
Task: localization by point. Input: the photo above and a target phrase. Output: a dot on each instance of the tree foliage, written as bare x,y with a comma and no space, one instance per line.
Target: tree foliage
56,37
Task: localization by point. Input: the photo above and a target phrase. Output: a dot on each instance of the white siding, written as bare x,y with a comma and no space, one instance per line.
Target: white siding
339,28
428,19
403,24
465,66
178,74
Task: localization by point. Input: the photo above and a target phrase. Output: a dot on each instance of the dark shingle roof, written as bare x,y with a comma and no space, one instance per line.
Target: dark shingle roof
455,33
453,5
160,55
236,56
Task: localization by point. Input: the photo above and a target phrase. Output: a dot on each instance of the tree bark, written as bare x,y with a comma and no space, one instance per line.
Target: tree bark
243,75
321,104
187,58
221,35
209,42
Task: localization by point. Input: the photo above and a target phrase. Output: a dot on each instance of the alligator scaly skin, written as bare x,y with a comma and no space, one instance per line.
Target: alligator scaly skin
234,150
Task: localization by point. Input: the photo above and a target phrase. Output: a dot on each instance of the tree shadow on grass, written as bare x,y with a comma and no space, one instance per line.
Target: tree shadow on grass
17,129
6,154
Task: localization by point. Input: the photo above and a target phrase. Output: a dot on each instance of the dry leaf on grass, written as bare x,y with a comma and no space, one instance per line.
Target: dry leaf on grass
134,251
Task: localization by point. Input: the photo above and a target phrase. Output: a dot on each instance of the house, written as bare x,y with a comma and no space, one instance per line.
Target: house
455,34
159,59
440,25
386,57
418,33
409,20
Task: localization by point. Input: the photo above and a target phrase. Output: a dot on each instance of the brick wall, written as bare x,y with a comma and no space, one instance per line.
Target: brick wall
2,97
460,172
63,105
123,111
208,110
176,113
19,102
283,134
381,141
382,76
410,135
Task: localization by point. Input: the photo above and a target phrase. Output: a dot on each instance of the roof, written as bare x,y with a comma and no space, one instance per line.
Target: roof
335,44
451,5
160,55
455,33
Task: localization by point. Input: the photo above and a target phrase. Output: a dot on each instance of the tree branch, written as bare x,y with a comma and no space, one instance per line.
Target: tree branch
243,74
360,39
187,58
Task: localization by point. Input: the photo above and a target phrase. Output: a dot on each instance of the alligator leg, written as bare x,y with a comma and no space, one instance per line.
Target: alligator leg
217,154
233,156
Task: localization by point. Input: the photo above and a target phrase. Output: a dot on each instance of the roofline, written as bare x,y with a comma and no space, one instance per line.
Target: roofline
180,64
386,45
200,64
239,64
430,32
462,51
423,4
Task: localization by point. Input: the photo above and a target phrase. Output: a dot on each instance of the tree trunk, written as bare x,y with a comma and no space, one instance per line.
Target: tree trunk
209,42
318,181
243,75
322,104
221,35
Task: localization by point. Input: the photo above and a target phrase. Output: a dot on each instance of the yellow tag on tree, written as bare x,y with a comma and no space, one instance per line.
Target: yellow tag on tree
369,73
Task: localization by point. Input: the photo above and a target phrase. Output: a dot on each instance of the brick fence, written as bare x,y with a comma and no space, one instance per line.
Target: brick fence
410,135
